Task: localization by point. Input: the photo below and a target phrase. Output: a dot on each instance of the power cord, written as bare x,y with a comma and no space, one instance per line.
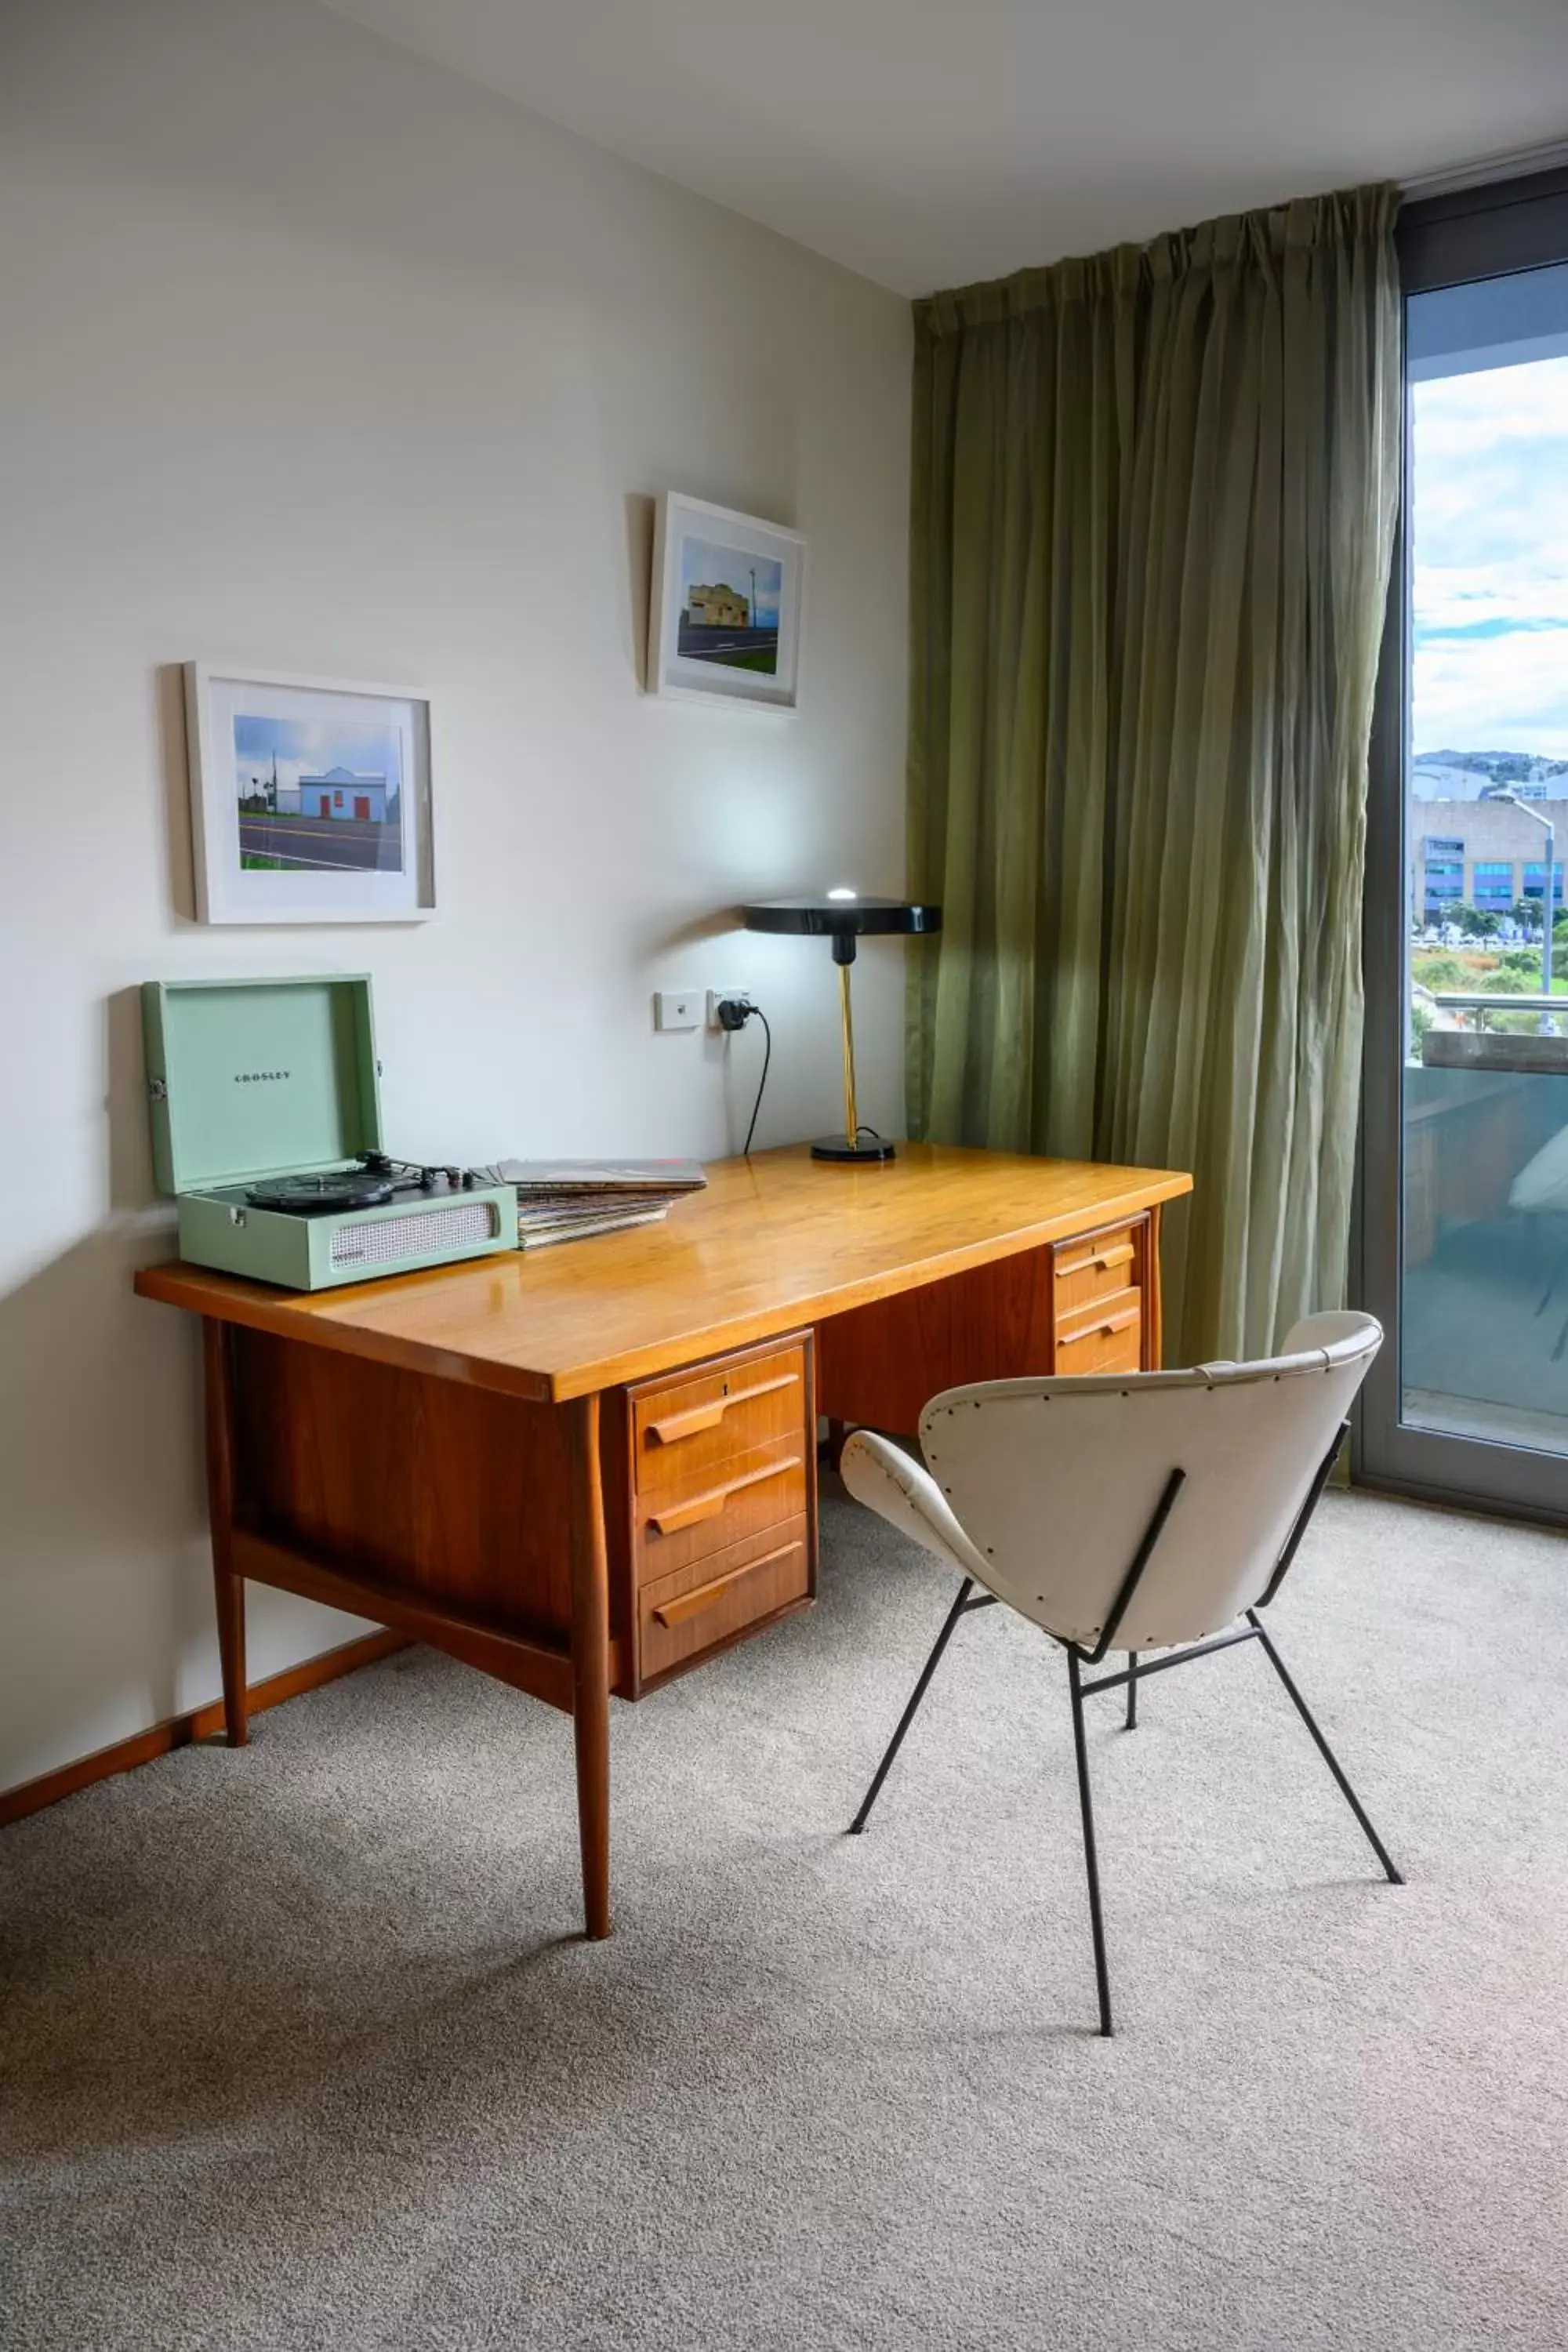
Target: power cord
734,1012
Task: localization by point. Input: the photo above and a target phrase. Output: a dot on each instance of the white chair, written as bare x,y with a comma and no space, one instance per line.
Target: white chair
1126,1511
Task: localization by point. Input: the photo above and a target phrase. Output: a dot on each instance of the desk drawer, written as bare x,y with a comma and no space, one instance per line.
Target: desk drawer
709,1601
1094,1269
685,1432
1107,1335
732,1502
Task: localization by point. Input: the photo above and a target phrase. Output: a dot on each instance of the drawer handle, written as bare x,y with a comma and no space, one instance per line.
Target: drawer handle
691,1605
1103,1329
674,1426
1100,1260
709,1506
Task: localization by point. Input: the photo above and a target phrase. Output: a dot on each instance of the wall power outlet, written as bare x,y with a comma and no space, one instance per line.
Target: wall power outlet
677,1008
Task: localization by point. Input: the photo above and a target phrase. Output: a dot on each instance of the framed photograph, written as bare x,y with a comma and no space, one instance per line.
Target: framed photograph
310,799
724,615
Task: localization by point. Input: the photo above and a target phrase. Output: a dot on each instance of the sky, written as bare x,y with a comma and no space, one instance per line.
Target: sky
704,564
1489,577
309,747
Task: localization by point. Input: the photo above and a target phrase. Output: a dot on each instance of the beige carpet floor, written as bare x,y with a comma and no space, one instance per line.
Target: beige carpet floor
296,2048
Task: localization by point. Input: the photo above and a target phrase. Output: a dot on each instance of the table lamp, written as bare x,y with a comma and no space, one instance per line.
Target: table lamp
844,916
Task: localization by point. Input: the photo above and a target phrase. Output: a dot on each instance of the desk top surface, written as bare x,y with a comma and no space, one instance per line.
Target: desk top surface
776,1240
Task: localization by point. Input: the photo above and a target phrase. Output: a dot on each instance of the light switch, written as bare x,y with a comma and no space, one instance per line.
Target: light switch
677,1008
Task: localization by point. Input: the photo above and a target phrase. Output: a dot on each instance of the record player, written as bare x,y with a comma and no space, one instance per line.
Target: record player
265,1111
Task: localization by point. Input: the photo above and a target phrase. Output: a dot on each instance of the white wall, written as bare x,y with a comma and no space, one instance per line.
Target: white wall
313,356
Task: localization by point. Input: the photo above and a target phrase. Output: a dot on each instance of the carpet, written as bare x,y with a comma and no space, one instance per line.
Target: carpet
296,2048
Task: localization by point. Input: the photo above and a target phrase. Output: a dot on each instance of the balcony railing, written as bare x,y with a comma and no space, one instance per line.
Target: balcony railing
1494,1033
1481,1001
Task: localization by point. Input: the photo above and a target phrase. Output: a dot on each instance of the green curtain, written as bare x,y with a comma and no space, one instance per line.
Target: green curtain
1153,507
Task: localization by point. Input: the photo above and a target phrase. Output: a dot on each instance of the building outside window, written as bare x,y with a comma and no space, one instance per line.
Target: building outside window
1489,861
1494,887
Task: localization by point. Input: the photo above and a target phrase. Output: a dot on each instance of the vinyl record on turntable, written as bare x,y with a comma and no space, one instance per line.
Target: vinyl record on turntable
351,1188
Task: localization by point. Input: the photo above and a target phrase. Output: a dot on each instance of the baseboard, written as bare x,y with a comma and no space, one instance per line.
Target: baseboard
202,1723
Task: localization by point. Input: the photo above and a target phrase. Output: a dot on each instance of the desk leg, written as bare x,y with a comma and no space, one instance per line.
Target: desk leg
591,1662
228,1590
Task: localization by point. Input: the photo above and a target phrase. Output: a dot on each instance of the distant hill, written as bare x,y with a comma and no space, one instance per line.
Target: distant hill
1474,775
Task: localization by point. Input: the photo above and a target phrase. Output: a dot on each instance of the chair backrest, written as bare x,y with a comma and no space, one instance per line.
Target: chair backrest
1056,1482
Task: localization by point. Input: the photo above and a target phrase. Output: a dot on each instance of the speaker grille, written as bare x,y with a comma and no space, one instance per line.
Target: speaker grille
419,1234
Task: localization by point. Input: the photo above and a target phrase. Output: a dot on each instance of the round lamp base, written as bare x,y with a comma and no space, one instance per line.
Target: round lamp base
835,1147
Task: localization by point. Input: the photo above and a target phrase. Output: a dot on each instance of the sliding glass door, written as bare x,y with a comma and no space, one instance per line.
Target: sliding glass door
1464,1242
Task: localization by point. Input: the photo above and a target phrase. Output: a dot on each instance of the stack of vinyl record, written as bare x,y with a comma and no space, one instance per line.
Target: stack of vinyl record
567,1200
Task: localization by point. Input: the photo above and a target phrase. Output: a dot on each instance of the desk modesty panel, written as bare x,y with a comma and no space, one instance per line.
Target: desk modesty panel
590,1468
775,1241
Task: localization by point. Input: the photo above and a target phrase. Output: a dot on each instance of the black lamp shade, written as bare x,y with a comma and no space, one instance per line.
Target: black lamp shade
842,920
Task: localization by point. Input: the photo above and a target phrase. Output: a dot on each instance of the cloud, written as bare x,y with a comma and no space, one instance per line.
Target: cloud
1503,693
1490,569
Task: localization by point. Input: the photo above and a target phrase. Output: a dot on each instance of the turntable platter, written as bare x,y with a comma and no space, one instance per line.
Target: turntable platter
344,1188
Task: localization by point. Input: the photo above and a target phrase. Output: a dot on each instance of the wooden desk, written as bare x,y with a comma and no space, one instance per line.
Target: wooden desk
590,1468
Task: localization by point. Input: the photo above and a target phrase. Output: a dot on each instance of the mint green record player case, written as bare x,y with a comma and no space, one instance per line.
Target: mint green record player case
253,1078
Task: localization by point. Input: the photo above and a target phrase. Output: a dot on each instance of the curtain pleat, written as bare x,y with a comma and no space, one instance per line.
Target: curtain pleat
1153,507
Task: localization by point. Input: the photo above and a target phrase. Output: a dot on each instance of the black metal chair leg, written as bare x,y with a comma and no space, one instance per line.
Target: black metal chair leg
1131,1690
1091,1862
1325,1751
908,1716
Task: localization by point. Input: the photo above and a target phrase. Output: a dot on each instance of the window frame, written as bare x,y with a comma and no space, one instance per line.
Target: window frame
1495,230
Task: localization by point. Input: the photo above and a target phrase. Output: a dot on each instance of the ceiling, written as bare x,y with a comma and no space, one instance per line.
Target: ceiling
930,143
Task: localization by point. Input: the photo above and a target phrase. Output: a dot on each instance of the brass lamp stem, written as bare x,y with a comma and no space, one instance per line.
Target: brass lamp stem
851,1122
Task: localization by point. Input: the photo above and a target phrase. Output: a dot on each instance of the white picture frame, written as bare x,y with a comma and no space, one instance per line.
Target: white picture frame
744,647
310,797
